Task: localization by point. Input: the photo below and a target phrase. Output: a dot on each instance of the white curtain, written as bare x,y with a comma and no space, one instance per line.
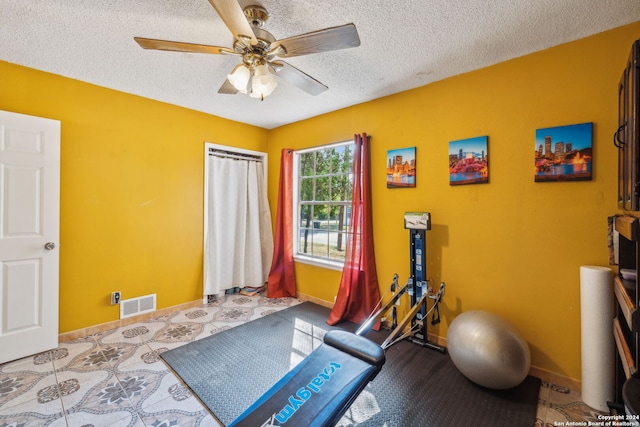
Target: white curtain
238,236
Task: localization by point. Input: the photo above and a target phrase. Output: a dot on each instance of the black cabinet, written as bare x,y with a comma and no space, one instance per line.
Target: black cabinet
627,136
626,325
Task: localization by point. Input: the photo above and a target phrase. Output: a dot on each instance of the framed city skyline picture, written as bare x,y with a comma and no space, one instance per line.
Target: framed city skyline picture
469,161
401,168
564,153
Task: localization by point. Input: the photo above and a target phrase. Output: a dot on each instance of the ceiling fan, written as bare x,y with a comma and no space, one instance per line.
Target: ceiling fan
259,50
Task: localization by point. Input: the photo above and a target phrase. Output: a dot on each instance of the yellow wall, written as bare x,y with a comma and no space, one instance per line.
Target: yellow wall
512,246
131,190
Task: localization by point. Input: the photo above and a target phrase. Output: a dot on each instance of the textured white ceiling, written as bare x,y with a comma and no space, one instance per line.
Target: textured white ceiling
404,44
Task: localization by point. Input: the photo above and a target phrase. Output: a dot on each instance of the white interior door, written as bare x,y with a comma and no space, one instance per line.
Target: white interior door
29,233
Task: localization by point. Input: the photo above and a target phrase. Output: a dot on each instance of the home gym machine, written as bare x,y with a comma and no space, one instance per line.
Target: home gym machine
417,287
320,389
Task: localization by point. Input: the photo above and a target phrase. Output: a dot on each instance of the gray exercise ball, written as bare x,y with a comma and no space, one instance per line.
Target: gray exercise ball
488,350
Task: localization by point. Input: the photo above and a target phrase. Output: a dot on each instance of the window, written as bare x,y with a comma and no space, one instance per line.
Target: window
323,181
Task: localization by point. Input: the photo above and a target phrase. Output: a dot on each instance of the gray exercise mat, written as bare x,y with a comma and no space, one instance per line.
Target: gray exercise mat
417,387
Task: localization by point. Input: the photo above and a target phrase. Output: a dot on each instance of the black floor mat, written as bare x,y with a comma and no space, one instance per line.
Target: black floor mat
417,387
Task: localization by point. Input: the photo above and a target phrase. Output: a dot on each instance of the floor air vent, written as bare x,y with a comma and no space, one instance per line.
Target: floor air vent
134,306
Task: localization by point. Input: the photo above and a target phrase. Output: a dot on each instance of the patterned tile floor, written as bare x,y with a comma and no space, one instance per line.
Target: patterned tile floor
116,378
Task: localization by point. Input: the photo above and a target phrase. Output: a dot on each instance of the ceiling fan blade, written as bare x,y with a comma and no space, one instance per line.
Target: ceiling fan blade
227,88
334,38
297,78
182,47
233,17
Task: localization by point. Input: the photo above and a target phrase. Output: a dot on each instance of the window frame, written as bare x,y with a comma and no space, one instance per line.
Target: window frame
316,260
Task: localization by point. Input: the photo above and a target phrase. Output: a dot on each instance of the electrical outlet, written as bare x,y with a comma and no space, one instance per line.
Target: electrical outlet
115,297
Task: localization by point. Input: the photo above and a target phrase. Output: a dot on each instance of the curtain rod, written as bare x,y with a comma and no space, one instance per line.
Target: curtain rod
233,155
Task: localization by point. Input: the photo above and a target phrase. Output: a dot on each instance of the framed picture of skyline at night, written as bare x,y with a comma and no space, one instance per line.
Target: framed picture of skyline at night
564,153
401,168
469,161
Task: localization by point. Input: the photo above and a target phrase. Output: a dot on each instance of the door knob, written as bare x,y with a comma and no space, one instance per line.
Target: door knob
49,246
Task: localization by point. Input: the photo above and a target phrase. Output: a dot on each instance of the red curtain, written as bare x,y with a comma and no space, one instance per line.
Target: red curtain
359,294
282,278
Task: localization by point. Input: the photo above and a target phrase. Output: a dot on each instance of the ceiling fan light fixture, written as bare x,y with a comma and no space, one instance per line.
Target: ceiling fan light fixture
239,78
263,82
259,49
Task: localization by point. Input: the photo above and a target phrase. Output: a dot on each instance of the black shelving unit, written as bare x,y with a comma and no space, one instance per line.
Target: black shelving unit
627,321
